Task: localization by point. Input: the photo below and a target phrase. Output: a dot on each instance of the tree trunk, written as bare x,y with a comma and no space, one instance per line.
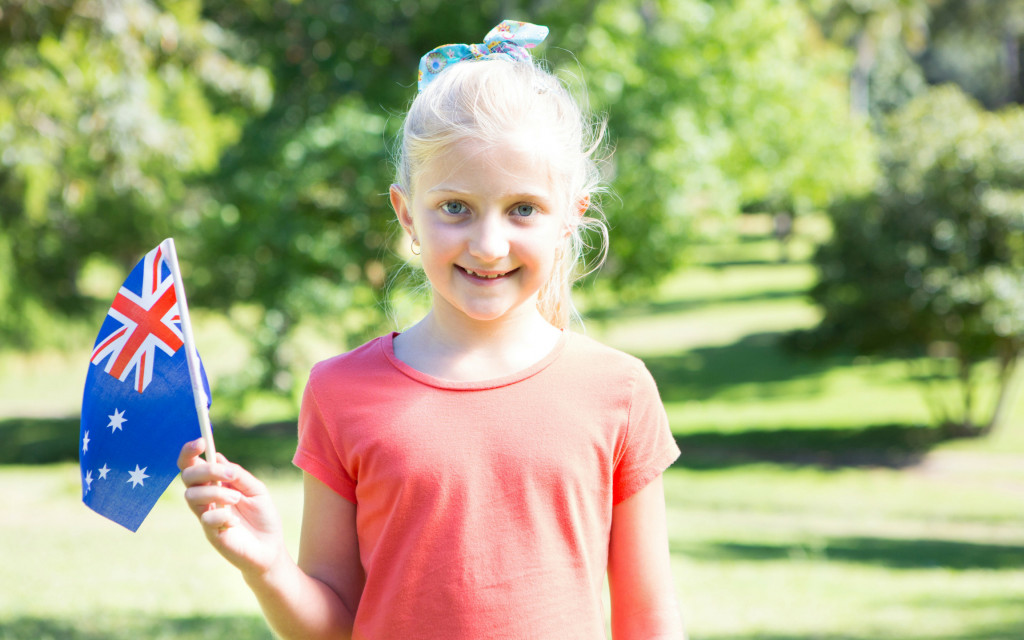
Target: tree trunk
1009,385
1014,91
782,228
929,371
860,98
965,427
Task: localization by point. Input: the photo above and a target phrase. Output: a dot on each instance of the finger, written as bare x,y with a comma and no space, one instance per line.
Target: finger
218,519
200,498
202,473
242,479
190,452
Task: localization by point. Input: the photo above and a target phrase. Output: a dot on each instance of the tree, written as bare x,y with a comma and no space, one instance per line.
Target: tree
903,45
977,45
930,264
106,110
871,28
255,131
713,107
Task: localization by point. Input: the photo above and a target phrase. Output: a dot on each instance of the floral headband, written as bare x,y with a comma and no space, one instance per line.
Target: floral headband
507,41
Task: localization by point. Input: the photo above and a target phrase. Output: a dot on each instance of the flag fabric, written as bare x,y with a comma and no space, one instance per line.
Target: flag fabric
138,407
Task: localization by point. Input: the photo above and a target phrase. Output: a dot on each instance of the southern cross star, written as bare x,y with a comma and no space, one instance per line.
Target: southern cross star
137,476
116,421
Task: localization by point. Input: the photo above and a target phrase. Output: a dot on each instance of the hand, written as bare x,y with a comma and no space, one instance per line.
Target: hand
235,509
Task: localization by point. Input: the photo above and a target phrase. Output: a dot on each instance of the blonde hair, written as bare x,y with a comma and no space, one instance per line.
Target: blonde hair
487,100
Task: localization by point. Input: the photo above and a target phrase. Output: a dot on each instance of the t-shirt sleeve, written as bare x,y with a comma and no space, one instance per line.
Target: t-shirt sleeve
648,447
317,453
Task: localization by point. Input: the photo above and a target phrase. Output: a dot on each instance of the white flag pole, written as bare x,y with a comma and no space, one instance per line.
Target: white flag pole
191,355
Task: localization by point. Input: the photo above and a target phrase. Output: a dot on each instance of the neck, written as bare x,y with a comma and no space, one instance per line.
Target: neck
453,327
454,347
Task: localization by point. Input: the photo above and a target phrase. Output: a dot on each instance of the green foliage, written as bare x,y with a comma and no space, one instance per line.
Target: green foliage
106,111
714,106
255,132
931,262
901,44
977,45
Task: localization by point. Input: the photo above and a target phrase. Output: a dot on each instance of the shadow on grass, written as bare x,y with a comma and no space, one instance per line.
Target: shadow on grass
894,446
893,553
1006,631
758,366
132,626
271,445
49,440
757,359
653,307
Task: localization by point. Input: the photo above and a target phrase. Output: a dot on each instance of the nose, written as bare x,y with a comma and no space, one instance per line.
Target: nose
490,239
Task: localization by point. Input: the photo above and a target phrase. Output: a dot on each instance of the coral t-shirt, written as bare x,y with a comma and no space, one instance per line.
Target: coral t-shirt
483,509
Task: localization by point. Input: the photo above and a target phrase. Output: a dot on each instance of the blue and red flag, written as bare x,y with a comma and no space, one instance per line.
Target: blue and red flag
138,407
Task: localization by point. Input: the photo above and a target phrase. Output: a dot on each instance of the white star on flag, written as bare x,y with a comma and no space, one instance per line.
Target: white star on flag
85,443
88,481
137,476
104,470
116,420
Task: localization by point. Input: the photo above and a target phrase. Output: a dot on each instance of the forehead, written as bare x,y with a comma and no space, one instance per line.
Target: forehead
513,163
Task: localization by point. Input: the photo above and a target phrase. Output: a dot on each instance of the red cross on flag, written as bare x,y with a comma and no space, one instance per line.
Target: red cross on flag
148,322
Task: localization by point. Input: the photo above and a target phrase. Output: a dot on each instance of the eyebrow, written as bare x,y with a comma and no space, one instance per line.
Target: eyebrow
519,195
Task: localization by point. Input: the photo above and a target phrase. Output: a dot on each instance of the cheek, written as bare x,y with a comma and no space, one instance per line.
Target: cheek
549,250
440,238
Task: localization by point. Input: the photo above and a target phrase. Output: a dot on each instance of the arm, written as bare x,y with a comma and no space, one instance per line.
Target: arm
313,599
639,570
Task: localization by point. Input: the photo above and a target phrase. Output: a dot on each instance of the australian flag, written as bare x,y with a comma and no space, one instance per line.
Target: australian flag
138,408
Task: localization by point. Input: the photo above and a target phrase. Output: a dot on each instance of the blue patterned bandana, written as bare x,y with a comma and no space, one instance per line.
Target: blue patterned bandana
509,41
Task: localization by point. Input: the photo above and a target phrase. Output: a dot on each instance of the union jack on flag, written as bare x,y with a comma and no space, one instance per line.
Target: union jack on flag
133,426
149,321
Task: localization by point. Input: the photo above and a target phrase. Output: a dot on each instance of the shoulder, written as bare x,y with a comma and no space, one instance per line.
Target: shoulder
598,358
349,382
619,376
351,365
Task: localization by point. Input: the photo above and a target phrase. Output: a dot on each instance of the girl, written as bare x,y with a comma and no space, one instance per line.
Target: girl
477,475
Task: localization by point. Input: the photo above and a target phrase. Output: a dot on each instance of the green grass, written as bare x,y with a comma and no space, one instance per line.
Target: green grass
69,573
714,338
811,501
760,551
763,552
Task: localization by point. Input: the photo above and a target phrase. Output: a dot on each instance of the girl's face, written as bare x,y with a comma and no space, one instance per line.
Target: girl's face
489,220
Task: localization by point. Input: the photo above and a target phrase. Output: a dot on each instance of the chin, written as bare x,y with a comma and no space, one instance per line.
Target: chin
487,316
498,312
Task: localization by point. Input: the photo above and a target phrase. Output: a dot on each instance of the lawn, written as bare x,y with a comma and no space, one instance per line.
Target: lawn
768,552
809,503
759,551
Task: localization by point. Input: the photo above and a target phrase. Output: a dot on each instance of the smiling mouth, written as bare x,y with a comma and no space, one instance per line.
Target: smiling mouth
487,276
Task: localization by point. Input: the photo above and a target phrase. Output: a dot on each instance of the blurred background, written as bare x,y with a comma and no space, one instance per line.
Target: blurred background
817,247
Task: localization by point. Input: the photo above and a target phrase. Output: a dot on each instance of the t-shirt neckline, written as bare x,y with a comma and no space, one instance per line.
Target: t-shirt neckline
387,344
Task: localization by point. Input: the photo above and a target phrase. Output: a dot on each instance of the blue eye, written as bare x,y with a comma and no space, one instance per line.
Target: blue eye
525,210
453,207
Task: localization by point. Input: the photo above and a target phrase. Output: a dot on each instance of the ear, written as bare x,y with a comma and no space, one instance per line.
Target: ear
400,203
582,204
576,213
